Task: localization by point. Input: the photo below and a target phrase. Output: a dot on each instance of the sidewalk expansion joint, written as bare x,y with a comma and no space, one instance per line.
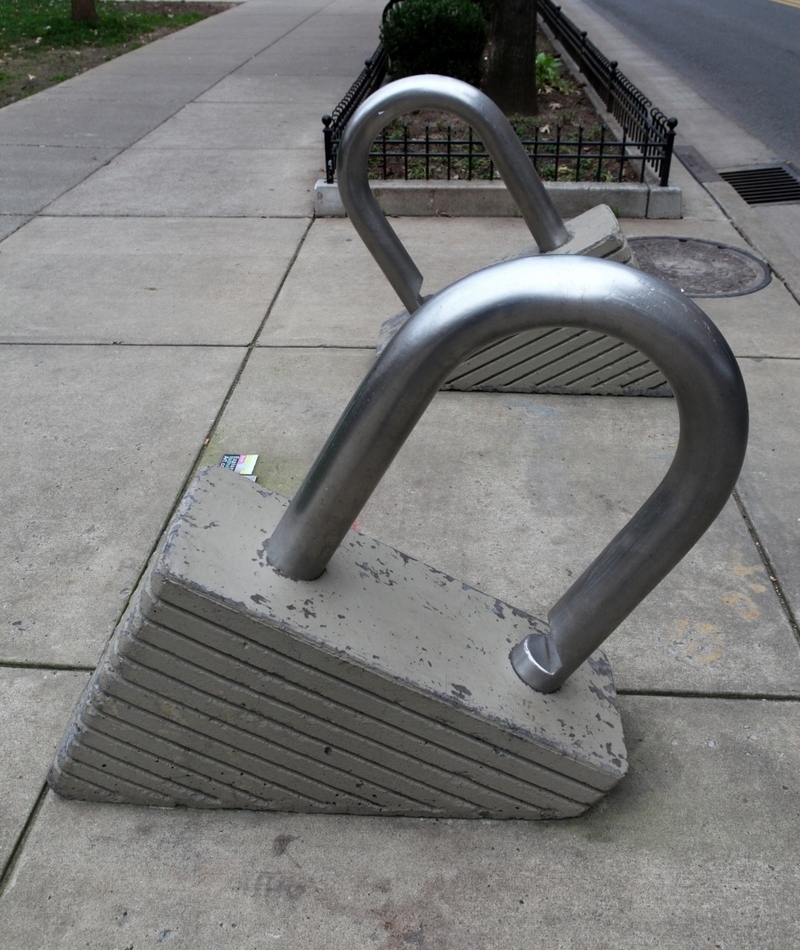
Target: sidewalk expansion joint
735,695
47,667
249,349
318,346
172,217
205,346
770,568
157,217
16,850
282,36
197,346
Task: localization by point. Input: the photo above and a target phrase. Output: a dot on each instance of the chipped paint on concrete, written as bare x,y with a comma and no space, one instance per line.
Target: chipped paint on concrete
383,687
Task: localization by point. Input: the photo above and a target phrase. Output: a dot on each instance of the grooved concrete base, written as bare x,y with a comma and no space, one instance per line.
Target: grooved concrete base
384,687
559,360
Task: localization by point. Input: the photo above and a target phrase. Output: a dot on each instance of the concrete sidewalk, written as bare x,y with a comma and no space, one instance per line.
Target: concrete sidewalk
166,297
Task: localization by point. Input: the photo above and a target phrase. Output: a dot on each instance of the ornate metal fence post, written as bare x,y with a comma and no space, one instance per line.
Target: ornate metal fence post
611,85
581,50
666,161
327,135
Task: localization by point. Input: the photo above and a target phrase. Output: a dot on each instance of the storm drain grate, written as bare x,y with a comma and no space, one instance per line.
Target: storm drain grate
765,185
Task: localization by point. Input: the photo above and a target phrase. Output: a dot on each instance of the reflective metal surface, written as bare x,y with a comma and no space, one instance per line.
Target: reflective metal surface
485,307
494,130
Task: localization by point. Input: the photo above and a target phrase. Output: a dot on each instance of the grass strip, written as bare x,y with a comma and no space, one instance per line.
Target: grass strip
40,45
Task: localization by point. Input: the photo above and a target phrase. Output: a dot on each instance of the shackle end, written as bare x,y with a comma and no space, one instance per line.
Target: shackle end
536,662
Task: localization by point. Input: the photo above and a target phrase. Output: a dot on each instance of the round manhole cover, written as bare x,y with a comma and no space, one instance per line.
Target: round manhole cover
701,268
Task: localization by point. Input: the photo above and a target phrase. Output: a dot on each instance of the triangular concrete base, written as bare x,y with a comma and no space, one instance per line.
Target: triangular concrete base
559,360
383,688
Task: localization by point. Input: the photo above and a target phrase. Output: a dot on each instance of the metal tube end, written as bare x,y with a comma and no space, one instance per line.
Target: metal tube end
536,662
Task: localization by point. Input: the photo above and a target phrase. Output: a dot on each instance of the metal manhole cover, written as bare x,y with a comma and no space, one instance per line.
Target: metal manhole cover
701,268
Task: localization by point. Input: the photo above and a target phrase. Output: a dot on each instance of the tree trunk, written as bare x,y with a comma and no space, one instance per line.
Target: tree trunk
510,77
84,11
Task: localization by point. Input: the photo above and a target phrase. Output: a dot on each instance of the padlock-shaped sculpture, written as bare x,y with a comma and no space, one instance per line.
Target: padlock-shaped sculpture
273,659
555,359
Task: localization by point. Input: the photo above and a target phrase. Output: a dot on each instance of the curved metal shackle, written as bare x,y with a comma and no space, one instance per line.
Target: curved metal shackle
494,130
495,303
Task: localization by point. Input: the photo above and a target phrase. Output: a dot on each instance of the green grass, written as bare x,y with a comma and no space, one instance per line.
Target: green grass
48,24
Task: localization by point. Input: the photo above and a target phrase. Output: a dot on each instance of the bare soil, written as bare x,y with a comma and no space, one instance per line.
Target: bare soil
565,112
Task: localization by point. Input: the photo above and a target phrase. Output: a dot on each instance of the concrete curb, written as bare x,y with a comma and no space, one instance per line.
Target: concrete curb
491,199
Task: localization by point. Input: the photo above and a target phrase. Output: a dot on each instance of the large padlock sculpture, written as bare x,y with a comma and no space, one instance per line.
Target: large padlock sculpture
550,360
272,658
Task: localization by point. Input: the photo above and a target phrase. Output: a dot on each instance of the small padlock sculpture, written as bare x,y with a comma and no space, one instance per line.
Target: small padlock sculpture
555,359
272,658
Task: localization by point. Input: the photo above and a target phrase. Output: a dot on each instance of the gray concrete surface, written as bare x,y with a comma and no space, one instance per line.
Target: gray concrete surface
215,183
696,846
211,125
517,500
34,175
768,484
10,222
317,308
445,249
151,280
698,843
89,122
35,702
99,441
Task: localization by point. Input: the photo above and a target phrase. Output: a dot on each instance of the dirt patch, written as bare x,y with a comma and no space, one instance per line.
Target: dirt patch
28,68
434,145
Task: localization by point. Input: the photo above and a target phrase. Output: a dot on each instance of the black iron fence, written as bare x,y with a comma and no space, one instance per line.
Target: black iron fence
369,80
591,155
653,131
647,134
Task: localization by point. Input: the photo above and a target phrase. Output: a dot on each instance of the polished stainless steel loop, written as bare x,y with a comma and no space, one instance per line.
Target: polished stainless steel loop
494,130
487,306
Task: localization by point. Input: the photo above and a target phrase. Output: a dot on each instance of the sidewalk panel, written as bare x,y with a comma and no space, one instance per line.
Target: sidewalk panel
9,223
233,183
765,323
516,495
80,122
769,480
36,704
336,295
120,87
99,442
308,90
151,280
696,846
212,125
35,176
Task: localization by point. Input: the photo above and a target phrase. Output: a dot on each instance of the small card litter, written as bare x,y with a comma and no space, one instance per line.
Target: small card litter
241,464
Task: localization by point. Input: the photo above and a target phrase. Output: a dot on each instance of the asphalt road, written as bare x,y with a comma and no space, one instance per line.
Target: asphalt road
743,56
